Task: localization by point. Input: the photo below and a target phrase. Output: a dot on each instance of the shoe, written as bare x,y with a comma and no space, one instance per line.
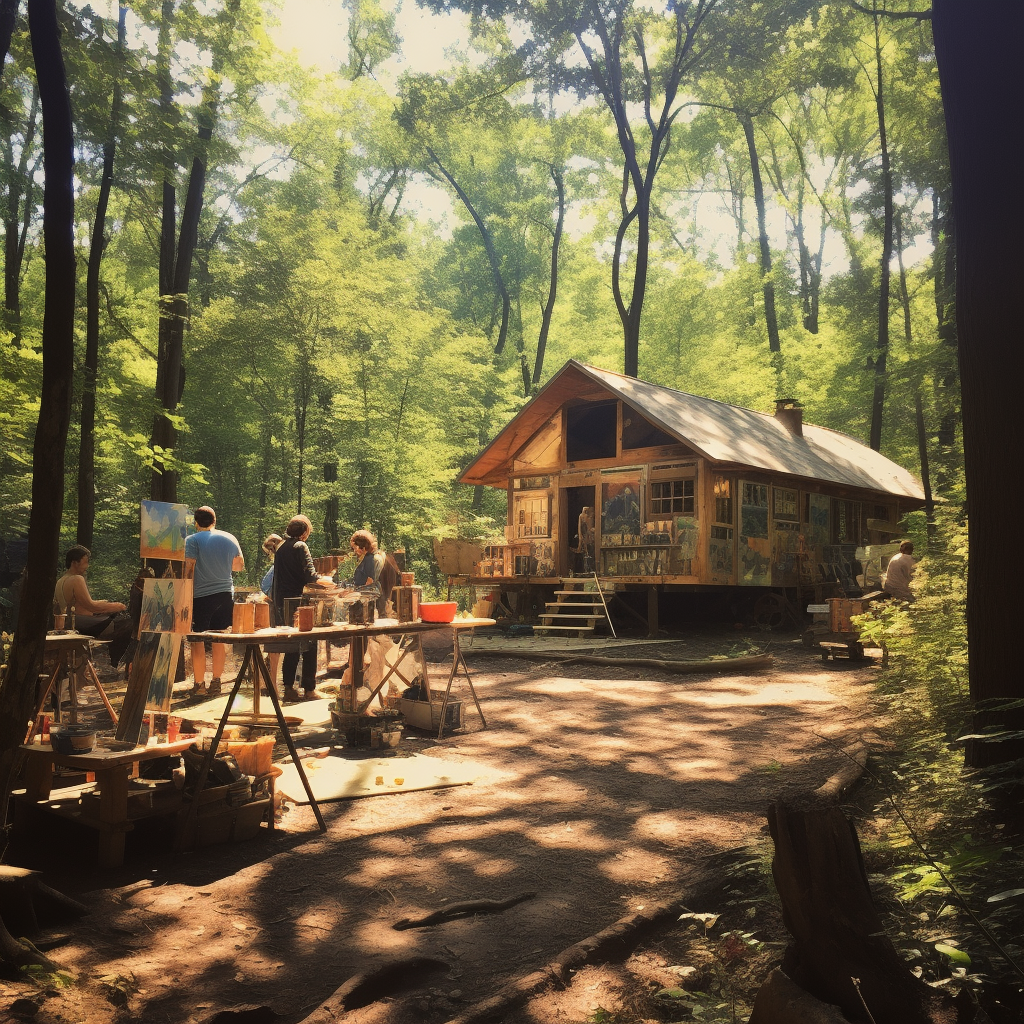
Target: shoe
214,690
310,695
291,695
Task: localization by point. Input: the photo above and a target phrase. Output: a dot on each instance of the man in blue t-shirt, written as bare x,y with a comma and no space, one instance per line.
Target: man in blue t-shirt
217,555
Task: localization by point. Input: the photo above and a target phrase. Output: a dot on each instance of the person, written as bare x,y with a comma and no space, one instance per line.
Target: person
270,546
898,573
216,555
585,535
293,571
374,567
104,620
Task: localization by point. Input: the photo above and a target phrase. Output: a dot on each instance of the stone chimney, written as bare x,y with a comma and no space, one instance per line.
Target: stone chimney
789,412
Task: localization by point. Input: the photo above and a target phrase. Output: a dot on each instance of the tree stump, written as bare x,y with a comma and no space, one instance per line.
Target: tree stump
839,953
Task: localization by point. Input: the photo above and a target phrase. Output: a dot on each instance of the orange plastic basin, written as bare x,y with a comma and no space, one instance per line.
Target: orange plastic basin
438,611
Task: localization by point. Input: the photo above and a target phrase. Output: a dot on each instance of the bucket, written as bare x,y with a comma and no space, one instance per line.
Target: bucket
304,617
72,739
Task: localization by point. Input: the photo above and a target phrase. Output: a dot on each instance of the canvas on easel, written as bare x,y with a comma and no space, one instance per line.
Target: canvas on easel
163,529
150,683
166,606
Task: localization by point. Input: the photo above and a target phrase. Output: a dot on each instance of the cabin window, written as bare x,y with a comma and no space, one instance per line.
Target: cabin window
531,515
784,504
638,432
669,496
846,525
590,432
722,489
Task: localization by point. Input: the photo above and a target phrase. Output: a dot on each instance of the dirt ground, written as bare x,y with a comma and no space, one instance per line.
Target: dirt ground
619,788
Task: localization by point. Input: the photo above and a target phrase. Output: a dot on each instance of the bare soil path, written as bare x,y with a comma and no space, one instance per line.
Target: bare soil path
616,786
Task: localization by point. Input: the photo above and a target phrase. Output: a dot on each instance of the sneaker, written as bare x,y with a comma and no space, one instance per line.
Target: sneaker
214,690
310,695
291,695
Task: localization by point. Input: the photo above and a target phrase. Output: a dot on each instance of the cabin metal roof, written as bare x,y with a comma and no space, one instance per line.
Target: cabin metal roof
723,434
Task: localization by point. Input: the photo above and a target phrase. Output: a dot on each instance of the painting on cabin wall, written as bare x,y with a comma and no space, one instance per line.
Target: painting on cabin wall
754,549
687,537
166,606
720,559
163,529
818,533
620,509
786,547
153,666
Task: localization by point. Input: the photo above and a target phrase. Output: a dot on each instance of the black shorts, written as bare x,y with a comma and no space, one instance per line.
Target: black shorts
213,611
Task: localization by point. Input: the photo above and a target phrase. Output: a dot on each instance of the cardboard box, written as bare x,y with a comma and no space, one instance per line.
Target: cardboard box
422,715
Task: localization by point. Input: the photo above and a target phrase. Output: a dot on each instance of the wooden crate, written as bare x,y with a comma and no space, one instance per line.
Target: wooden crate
840,609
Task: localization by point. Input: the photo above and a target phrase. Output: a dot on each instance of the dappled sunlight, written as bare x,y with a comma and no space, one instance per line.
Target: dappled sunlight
635,865
574,833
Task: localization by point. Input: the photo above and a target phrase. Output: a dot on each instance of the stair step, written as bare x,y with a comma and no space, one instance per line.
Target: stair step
559,615
571,629
576,605
578,593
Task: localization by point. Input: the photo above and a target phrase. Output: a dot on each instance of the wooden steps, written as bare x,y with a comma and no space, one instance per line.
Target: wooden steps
575,609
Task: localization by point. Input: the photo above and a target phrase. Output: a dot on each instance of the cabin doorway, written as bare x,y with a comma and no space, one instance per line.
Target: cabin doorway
574,501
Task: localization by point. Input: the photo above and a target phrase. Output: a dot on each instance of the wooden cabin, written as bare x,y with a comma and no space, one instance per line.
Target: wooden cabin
686,492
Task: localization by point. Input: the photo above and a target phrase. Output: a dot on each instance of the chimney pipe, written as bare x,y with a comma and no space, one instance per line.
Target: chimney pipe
789,412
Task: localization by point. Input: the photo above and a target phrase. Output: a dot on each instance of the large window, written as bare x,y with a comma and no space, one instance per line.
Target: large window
590,432
672,496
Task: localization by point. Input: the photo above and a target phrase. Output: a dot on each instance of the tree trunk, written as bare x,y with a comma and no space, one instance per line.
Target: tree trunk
19,199
979,58
767,284
839,953
87,441
882,344
492,254
549,306
926,483
174,309
18,687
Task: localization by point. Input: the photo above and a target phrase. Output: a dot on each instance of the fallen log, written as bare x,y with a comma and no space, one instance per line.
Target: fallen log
753,663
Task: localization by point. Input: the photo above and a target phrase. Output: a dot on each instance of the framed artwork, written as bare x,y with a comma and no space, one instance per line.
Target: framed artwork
166,606
620,507
163,530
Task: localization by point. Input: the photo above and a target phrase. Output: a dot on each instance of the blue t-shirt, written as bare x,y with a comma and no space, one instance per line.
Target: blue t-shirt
214,552
268,582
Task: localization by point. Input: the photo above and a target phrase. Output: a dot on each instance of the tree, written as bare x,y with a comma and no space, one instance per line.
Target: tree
979,58
18,686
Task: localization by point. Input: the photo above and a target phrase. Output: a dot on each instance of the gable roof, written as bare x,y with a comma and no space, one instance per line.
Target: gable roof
719,432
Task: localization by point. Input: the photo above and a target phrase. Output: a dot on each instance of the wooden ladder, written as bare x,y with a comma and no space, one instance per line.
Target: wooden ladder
576,609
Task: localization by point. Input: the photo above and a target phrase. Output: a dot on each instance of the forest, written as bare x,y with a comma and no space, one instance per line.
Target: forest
739,201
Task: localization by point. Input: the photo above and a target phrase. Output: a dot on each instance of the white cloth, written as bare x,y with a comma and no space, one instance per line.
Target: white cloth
897,577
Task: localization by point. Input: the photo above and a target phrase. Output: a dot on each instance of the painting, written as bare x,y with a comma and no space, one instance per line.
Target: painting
153,666
818,533
620,508
166,606
163,530
720,558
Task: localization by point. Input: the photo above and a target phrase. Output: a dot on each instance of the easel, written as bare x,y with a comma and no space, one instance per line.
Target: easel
255,662
73,654
457,657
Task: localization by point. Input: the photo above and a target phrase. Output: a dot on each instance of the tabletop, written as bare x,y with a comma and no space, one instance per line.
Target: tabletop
100,759
336,631
65,639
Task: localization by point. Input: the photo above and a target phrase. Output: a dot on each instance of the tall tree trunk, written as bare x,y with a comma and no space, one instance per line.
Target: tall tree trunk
19,199
882,344
174,309
492,253
549,305
767,284
18,687
926,483
87,442
980,57
943,231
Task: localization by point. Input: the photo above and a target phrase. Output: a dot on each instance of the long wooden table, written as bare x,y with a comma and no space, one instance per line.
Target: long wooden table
113,769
